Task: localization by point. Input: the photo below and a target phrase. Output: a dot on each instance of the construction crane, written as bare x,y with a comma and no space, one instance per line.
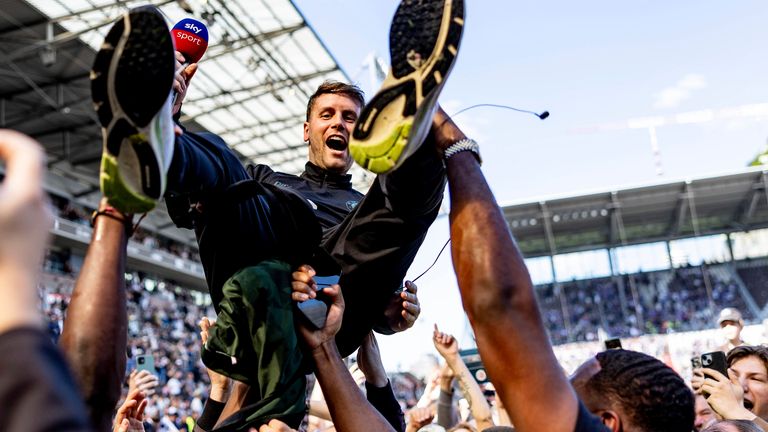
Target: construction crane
651,123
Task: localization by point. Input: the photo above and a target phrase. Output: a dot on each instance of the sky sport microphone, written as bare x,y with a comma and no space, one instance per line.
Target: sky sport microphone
191,39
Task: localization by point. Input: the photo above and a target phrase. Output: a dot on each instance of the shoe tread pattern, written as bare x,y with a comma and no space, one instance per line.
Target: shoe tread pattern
146,67
416,33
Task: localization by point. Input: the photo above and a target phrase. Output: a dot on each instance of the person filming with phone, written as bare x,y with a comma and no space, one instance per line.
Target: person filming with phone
741,393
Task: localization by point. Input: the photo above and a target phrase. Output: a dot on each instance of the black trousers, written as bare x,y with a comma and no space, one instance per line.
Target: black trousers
373,246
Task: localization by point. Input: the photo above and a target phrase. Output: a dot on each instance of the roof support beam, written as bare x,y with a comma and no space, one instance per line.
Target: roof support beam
259,89
746,208
291,121
692,208
41,86
230,46
678,216
298,121
546,215
85,192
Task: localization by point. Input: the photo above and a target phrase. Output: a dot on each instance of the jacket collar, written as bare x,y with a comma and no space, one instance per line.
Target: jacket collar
319,175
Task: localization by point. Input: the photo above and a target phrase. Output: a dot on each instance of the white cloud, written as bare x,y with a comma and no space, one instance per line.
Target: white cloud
672,96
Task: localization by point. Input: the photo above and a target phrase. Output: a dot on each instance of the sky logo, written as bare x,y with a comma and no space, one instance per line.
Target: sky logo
193,27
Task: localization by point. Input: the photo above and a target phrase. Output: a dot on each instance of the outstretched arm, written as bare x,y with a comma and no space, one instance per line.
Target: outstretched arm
339,388
498,297
94,335
448,347
378,389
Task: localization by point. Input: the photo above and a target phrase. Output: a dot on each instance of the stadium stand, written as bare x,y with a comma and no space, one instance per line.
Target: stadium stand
754,273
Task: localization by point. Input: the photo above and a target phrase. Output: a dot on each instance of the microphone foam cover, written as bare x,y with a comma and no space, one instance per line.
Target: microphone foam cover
190,38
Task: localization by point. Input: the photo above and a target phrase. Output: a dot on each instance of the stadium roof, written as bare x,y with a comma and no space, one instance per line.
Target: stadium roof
643,214
263,62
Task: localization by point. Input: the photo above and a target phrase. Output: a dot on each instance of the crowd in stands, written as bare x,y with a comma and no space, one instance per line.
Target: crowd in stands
162,321
66,209
676,300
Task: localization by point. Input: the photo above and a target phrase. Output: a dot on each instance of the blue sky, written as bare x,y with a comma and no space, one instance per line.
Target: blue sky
588,63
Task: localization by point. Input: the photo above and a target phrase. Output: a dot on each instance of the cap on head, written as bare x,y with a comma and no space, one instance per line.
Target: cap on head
730,314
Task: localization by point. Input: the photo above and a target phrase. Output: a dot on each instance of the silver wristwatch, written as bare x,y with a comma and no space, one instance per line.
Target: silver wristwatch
466,144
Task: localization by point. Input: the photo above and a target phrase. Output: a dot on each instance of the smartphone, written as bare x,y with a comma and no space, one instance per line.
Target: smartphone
611,344
715,360
326,281
696,362
315,310
146,362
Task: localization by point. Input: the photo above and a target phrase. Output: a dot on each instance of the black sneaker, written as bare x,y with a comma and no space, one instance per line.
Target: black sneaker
423,42
131,83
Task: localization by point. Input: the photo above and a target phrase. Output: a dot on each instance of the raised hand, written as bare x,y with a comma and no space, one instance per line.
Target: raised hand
24,221
143,381
181,81
303,289
220,384
446,344
369,362
130,415
725,395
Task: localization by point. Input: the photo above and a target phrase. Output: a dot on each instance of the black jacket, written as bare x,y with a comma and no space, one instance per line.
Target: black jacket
330,195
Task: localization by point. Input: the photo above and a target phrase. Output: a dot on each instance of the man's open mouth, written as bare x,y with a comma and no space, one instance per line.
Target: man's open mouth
748,404
336,143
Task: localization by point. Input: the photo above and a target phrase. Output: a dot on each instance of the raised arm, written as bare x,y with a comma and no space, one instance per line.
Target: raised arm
377,386
349,409
498,297
448,347
94,336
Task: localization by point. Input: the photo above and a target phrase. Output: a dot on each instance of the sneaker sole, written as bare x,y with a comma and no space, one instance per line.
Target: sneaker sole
131,78
424,40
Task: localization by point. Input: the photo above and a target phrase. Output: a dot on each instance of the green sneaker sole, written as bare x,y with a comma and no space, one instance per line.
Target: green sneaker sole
424,40
120,196
382,156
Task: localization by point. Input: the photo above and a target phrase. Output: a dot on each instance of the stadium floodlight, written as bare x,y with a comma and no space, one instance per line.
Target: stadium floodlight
48,55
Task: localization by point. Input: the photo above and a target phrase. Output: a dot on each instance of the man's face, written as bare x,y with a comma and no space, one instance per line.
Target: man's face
753,378
330,124
704,414
731,330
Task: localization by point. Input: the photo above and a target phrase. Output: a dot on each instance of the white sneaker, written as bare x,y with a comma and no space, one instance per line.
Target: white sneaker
131,87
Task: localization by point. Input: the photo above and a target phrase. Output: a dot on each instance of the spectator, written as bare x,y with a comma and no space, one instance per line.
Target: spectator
705,417
743,395
734,426
731,324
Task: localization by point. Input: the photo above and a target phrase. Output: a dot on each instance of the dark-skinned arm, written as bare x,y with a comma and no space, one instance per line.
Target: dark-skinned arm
499,300
95,330
341,392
